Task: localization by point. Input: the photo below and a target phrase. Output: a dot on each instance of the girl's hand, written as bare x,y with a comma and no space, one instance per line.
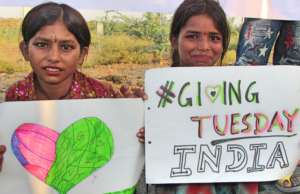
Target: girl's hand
2,151
141,135
133,92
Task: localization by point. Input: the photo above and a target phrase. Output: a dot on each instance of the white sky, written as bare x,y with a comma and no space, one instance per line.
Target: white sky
93,9
9,8
88,14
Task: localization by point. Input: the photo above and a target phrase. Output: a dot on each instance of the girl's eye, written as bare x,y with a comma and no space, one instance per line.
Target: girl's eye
192,36
215,38
67,47
41,44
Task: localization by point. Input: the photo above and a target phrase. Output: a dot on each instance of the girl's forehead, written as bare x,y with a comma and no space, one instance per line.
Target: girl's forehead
200,23
56,31
57,27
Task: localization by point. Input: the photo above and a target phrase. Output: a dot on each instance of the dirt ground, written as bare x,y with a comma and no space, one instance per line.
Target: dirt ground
117,74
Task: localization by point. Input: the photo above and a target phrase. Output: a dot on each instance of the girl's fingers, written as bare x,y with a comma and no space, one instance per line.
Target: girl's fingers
133,92
138,92
2,149
141,135
124,90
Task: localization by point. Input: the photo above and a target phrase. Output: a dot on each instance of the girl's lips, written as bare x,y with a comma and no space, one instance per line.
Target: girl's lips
52,71
201,58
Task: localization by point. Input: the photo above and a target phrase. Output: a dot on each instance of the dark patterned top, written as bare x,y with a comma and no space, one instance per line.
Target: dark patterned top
82,87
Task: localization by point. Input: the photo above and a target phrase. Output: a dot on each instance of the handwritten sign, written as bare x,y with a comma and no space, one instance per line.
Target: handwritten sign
222,124
71,146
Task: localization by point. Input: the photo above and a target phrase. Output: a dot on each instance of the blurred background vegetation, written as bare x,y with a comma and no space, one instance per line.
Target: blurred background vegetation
116,39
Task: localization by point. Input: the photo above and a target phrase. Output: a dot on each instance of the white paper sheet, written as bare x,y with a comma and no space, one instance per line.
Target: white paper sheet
222,124
123,116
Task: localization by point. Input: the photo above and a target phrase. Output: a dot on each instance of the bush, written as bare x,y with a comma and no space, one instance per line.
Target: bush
9,30
229,58
121,49
6,68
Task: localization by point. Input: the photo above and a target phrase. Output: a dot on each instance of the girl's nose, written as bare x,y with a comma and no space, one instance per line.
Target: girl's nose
203,44
54,53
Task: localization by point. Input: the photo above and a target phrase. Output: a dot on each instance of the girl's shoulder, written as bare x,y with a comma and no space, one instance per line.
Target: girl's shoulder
21,90
87,87
92,88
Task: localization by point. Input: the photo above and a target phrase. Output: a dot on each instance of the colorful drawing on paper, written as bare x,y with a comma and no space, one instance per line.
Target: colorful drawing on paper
63,160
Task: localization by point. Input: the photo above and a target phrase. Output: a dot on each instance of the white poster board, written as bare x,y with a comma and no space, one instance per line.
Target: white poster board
222,124
121,171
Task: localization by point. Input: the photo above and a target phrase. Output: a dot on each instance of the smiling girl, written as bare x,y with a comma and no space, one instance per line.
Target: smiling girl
199,37
55,42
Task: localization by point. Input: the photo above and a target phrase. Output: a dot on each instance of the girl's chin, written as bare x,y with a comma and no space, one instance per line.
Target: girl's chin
198,64
201,64
53,80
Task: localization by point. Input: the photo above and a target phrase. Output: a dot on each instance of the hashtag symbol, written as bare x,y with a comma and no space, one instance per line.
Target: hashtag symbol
165,93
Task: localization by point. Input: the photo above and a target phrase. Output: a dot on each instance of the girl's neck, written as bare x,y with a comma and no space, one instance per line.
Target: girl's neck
46,91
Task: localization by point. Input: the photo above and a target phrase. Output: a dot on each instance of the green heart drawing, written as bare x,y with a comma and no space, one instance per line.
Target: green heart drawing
83,147
212,92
